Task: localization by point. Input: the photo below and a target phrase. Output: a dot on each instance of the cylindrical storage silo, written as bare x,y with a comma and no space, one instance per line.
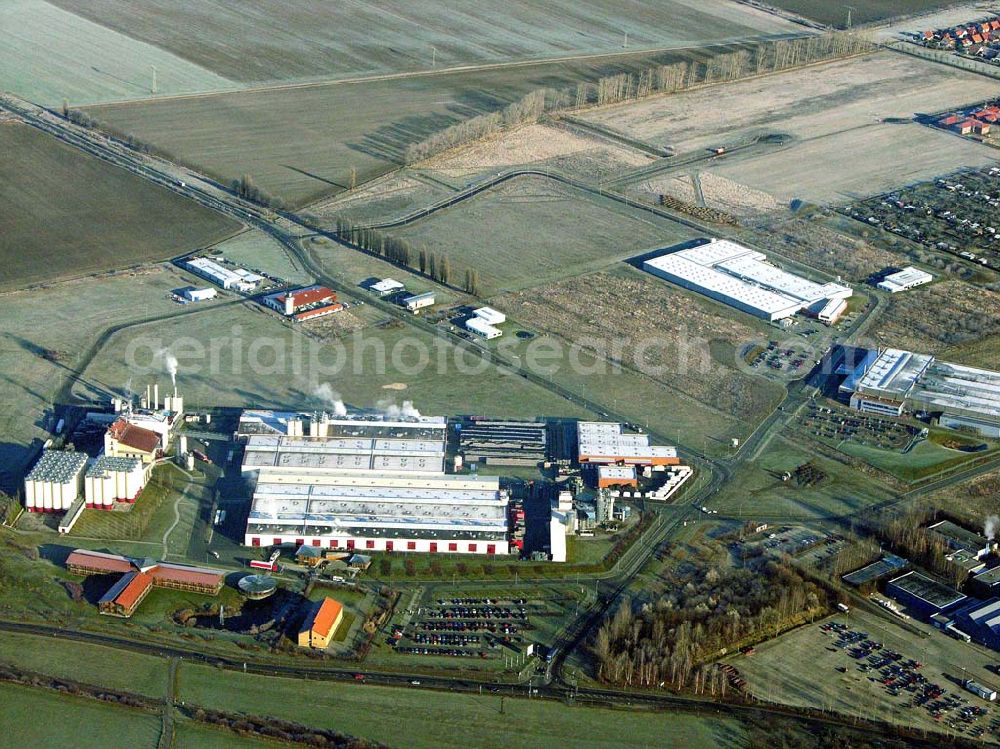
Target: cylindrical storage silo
46,496
29,495
107,491
119,478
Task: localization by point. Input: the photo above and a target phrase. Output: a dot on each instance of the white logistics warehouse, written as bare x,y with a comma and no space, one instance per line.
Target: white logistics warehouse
605,442
484,322
366,482
904,280
239,279
55,481
742,278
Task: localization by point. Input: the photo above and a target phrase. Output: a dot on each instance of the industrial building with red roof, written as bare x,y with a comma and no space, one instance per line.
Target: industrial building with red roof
139,577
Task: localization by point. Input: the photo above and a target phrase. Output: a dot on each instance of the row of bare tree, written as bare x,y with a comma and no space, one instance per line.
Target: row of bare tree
698,613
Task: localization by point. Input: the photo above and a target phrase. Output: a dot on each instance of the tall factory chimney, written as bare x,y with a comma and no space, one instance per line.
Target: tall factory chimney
156,396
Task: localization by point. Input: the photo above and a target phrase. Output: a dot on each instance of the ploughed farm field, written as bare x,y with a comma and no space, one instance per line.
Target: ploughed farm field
64,213
300,143
273,40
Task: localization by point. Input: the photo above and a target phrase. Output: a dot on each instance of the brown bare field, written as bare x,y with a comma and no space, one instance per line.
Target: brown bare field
554,145
815,245
836,114
65,213
272,40
696,343
935,318
717,192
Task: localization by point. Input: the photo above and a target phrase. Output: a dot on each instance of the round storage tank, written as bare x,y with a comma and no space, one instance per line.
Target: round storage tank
257,587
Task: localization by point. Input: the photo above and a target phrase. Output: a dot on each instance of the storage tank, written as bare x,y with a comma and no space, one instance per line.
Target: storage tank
29,495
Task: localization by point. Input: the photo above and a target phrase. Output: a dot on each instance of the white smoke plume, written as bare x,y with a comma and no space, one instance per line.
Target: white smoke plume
331,398
170,364
991,526
398,413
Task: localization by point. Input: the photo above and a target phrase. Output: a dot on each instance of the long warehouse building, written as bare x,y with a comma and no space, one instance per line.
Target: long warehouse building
742,278
368,483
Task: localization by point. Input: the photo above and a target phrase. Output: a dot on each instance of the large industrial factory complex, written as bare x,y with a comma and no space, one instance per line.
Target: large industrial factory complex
366,482
891,381
742,278
136,435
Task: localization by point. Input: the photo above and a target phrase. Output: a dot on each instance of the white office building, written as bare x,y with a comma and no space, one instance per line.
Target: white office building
904,280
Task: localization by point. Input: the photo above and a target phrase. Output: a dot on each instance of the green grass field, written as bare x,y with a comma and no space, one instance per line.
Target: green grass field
69,214
924,460
316,38
38,718
86,663
497,232
247,371
439,719
49,55
757,489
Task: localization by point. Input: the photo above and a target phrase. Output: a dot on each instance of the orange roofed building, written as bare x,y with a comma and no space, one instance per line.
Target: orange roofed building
321,624
125,440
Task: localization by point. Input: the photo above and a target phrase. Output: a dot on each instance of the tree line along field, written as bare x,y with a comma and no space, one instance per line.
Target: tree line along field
64,213
301,143
314,38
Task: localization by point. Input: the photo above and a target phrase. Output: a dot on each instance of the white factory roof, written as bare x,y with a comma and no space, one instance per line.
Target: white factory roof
58,465
479,325
905,279
987,615
339,453
260,421
225,277
948,386
607,440
490,315
453,503
623,473
387,286
893,373
734,273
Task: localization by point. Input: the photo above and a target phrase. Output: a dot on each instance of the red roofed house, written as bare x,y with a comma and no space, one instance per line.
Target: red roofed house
977,39
305,303
125,595
951,119
965,126
983,128
125,440
321,624
928,35
995,24
85,562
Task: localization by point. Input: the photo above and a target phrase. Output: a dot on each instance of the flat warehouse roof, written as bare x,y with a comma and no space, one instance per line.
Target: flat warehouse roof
743,277
893,373
927,590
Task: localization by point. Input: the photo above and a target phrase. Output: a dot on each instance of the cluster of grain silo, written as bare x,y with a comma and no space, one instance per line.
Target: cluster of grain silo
110,479
55,481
